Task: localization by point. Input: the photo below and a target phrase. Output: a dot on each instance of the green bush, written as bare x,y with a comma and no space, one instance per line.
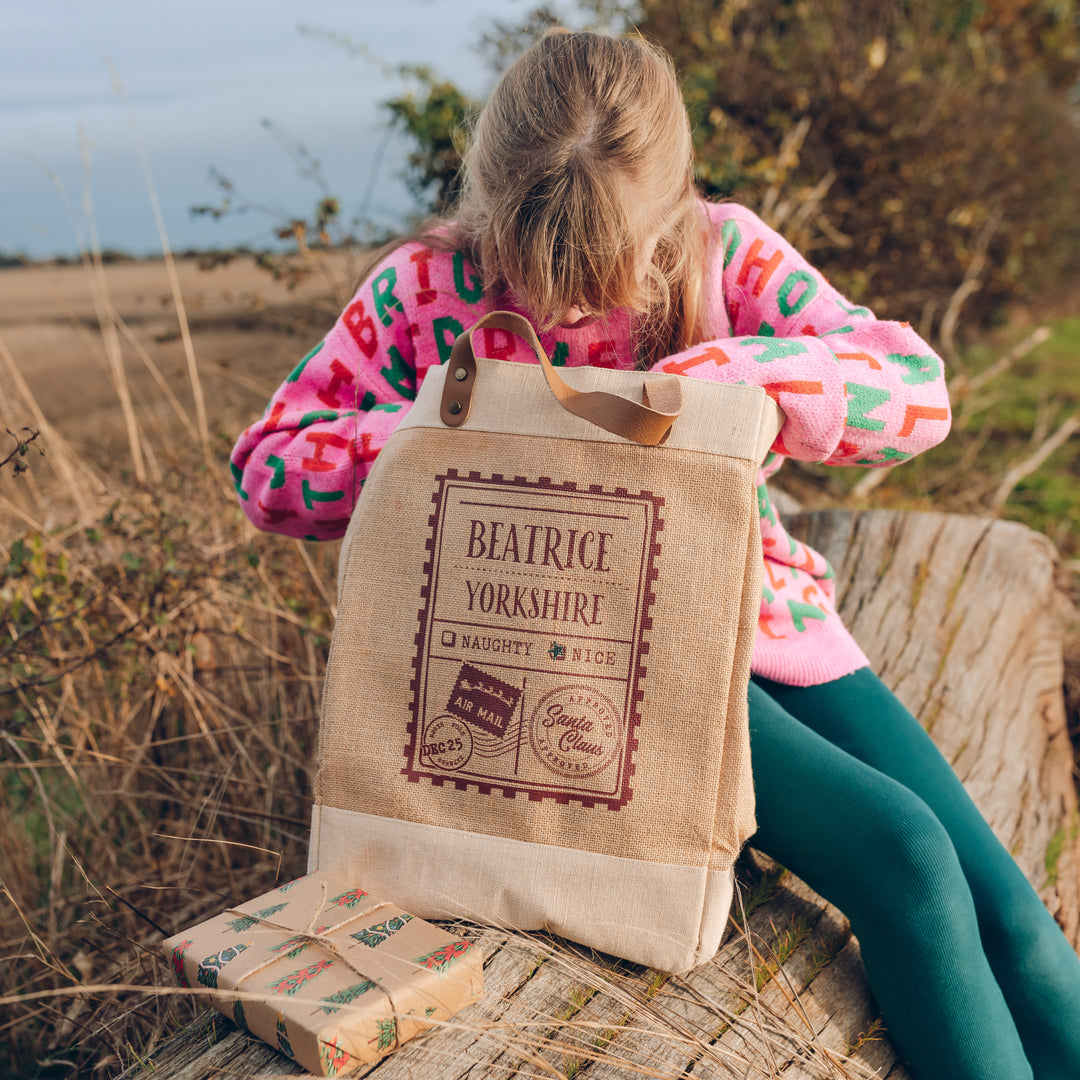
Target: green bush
434,117
903,143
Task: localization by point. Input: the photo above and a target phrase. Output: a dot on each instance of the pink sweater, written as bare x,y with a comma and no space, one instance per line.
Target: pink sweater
855,391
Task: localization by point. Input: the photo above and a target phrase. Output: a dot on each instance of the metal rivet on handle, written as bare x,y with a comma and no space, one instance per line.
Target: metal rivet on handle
461,374
454,407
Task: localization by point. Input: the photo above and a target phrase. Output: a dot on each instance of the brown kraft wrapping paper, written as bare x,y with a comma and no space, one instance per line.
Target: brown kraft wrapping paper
539,629
341,977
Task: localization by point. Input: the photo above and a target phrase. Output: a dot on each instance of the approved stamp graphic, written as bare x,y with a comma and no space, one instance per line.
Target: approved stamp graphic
532,638
575,732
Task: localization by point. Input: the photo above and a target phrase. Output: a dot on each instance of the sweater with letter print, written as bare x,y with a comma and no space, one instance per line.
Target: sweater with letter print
855,390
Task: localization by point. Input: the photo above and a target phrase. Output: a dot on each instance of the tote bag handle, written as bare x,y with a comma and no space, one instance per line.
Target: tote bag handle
648,422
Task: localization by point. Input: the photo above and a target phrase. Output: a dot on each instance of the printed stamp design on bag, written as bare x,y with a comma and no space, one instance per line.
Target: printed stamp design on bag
484,700
532,637
575,731
447,744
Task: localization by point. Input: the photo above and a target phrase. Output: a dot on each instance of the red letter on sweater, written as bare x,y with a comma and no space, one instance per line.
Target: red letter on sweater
427,294
321,440
341,376
497,349
361,328
765,267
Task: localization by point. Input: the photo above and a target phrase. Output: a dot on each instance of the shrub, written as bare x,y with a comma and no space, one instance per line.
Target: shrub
940,128
912,149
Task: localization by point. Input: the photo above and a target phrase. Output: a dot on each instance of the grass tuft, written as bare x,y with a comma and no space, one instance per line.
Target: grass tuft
159,695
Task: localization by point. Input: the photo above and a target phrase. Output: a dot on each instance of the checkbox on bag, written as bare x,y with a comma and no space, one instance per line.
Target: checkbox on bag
449,639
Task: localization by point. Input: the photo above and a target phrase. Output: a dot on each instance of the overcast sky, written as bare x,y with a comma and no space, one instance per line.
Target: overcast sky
200,76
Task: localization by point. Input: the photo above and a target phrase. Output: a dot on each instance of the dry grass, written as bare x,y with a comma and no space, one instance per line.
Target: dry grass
161,671
160,690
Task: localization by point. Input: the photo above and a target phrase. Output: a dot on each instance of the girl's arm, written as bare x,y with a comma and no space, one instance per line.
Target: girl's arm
855,390
300,468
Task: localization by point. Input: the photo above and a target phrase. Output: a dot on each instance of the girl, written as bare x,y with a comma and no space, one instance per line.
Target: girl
578,210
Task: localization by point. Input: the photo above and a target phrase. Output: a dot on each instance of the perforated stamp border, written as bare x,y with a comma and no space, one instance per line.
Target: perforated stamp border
412,771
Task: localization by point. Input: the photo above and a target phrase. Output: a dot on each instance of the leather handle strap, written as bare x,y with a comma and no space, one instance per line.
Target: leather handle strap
648,422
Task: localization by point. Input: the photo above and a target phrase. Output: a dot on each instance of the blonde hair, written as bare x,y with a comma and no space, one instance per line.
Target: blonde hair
580,159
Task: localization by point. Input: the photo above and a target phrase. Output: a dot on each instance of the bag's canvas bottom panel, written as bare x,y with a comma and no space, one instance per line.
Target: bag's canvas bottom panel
603,901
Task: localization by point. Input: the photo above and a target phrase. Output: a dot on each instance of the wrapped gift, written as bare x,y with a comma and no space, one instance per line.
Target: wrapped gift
330,975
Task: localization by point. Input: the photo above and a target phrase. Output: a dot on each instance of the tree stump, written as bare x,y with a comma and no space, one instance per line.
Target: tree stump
964,618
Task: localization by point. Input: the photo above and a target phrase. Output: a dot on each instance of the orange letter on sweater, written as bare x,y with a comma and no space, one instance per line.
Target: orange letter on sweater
921,412
711,352
766,267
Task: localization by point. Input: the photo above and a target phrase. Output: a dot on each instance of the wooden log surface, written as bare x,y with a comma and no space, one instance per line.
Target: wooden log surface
964,619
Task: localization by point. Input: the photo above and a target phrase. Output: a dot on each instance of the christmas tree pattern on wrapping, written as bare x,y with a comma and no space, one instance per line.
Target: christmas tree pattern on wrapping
291,948
239,1016
348,900
332,1057
375,935
210,967
386,1038
344,997
178,962
290,984
283,1043
245,922
855,391
440,959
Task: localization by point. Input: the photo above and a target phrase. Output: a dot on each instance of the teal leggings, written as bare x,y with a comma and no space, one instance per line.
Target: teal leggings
972,974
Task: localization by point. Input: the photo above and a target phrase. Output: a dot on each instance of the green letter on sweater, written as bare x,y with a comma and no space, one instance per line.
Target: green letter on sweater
470,295
862,400
397,374
731,238
444,345
920,369
801,612
791,283
384,295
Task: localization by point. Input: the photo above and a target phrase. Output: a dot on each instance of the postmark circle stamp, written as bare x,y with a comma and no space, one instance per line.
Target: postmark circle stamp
447,745
575,731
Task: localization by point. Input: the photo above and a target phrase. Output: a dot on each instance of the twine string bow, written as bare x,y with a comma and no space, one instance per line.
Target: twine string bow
322,939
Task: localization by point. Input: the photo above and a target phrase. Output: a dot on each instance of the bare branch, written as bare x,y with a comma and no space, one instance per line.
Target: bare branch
787,157
963,386
21,447
1026,467
971,283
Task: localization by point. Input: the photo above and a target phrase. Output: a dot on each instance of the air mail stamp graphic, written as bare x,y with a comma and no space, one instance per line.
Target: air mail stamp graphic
483,699
532,638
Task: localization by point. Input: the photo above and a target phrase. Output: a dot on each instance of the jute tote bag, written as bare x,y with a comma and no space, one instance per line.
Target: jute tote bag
535,705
